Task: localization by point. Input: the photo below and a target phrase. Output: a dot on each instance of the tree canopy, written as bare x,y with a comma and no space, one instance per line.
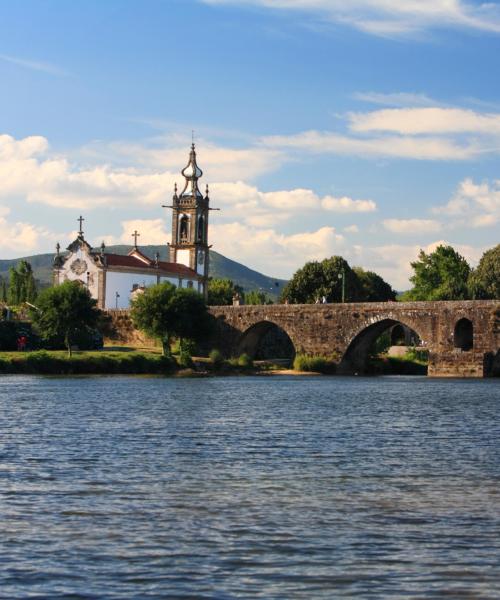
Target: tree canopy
373,287
257,297
164,311
485,279
22,285
317,279
440,275
65,311
221,291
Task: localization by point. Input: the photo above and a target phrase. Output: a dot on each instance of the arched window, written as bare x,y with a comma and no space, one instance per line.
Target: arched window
201,228
463,336
184,228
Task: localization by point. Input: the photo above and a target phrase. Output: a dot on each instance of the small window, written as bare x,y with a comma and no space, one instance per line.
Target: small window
190,284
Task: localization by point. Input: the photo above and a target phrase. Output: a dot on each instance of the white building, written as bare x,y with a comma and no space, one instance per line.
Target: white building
114,279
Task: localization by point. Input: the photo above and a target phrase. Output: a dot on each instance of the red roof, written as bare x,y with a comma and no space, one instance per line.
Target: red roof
118,260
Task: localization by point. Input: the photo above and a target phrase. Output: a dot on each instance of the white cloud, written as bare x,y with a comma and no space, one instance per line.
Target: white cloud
399,99
21,239
474,205
351,229
272,252
348,205
152,231
34,65
430,120
390,17
412,226
220,162
418,148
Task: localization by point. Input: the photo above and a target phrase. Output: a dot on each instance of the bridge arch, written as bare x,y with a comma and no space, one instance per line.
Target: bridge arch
266,339
354,359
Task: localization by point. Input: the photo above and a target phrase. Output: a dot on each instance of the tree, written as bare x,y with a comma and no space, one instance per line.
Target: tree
190,319
440,275
164,311
221,292
373,287
22,285
485,279
317,279
65,311
257,297
14,293
3,290
150,312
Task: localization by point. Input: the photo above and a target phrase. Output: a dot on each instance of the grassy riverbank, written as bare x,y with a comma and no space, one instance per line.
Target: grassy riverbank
149,361
124,361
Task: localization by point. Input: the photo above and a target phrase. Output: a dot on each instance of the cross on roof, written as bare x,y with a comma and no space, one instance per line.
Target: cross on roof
135,235
81,220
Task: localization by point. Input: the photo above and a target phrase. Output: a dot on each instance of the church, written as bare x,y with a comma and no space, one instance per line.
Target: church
114,279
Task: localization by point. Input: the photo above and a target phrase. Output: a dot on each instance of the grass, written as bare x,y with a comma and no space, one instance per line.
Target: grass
123,361
314,364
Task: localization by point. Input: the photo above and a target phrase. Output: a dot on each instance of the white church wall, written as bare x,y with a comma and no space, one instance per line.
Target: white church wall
123,283
82,264
173,280
183,257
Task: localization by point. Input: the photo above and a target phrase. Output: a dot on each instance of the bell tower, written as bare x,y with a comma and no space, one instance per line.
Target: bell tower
190,210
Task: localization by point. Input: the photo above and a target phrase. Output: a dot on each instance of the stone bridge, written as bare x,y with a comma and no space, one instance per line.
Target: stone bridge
463,338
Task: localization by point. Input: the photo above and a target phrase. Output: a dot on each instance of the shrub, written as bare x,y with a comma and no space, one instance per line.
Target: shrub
245,361
315,364
216,358
186,351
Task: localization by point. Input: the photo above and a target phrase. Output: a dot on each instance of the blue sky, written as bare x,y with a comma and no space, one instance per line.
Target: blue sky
368,129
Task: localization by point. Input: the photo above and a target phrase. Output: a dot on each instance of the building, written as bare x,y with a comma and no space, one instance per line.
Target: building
114,279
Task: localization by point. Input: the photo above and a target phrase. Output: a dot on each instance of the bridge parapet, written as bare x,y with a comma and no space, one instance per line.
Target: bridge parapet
345,331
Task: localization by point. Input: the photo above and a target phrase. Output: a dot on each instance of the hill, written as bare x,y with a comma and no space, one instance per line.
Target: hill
220,266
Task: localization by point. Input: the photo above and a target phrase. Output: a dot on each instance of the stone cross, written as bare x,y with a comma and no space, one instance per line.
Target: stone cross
81,220
135,235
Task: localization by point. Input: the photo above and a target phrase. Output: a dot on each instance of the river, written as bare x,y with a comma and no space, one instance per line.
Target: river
253,487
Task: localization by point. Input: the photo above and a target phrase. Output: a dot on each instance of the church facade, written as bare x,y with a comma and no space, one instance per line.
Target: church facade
114,279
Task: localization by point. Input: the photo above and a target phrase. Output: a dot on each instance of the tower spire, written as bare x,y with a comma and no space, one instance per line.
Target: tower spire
191,174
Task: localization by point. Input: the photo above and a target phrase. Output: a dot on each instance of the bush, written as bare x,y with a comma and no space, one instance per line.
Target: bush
216,358
186,351
314,364
245,361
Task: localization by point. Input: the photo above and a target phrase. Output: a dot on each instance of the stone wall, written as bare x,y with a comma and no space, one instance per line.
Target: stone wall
122,331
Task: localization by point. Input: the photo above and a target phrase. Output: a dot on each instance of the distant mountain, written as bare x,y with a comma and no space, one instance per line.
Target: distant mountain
220,266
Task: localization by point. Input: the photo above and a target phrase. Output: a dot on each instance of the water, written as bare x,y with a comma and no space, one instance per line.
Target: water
270,487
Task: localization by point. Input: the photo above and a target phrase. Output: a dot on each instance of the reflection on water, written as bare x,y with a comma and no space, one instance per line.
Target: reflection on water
249,488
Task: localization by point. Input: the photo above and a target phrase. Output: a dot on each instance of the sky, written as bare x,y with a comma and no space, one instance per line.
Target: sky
368,129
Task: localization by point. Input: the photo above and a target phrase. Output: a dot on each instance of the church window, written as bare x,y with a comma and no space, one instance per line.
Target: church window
201,228
190,284
184,228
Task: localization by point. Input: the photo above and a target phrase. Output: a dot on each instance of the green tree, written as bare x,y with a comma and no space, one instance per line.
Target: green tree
14,293
3,290
485,279
65,311
257,297
440,275
164,311
188,311
373,287
221,292
22,285
150,312
317,279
